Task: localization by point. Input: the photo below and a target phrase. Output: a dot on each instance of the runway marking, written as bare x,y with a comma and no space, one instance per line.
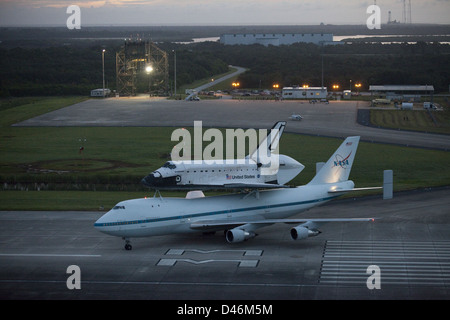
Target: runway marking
245,252
48,255
416,263
241,263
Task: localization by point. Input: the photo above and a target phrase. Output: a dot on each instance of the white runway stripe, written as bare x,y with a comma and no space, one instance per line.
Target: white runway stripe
401,263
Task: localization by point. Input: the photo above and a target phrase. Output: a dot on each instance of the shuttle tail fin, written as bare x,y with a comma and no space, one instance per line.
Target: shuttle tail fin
270,142
338,167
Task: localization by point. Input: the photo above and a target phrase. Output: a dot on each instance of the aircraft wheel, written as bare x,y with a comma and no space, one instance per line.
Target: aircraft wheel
128,247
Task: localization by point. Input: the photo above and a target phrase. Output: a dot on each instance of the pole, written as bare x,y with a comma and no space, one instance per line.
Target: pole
322,70
103,67
175,72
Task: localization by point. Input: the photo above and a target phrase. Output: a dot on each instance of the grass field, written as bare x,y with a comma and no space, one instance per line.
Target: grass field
117,158
436,121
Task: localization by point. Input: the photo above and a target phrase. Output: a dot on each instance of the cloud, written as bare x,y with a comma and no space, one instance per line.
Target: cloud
203,12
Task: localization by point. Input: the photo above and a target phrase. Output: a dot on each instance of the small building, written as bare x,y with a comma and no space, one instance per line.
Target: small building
99,92
402,92
304,93
347,94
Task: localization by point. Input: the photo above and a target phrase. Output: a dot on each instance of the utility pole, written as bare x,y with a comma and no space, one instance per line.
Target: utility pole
175,71
103,67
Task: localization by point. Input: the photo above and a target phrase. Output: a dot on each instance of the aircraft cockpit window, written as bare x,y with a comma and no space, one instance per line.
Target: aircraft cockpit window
169,165
118,207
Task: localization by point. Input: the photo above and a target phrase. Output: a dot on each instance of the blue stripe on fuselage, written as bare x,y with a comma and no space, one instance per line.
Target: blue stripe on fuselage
211,213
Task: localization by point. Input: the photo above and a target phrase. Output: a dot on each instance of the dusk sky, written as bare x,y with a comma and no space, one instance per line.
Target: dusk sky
215,12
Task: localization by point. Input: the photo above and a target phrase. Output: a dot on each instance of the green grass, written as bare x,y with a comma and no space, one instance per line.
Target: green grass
19,109
121,156
417,120
64,200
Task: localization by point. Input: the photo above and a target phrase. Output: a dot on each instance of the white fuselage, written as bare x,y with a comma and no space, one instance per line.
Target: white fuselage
159,216
201,174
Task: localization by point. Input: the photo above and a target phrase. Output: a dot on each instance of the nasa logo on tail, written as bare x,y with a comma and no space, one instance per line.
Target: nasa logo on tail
341,161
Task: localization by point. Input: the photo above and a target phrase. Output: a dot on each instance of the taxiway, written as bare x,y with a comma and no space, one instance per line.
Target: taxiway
337,119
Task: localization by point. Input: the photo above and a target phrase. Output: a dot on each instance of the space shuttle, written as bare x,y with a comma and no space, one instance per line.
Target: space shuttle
255,171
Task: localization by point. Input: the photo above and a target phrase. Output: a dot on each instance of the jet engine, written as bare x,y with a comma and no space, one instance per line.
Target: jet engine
300,232
238,235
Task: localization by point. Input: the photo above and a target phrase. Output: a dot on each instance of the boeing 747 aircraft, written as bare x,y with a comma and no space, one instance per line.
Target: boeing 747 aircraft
245,173
239,214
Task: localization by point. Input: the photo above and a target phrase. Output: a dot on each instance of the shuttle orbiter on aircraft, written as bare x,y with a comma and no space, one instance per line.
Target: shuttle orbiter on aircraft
245,173
239,214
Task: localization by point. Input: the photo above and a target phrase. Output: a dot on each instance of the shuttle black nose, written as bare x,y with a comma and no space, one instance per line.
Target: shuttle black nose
149,181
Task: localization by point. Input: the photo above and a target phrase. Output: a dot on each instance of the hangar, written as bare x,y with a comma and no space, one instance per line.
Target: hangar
402,92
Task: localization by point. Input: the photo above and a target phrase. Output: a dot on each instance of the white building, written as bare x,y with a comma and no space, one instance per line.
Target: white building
304,93
99,92
276,39
402,92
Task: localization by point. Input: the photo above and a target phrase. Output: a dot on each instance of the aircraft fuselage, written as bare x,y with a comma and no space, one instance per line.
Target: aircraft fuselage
160,216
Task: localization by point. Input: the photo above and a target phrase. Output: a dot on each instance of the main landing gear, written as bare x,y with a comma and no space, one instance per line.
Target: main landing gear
128,246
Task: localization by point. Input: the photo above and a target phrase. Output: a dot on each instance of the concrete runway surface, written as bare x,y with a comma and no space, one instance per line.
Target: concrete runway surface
410,243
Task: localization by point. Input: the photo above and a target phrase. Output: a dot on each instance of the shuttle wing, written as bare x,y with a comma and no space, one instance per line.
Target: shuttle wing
226,186
254,186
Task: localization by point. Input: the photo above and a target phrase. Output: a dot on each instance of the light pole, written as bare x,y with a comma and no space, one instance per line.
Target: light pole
175,72
103,67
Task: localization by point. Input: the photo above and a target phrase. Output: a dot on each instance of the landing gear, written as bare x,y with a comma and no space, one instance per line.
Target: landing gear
128,246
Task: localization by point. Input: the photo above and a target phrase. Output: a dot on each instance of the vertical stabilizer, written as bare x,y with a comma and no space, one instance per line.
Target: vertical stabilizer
338,167
270,142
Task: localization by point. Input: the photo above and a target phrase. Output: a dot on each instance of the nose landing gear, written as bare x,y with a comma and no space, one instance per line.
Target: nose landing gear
128,246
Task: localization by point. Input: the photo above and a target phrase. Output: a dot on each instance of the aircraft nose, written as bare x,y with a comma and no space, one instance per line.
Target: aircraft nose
151,179
101,222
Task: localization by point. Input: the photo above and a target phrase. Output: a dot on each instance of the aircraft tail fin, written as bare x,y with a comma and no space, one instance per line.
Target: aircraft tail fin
338,167
270,142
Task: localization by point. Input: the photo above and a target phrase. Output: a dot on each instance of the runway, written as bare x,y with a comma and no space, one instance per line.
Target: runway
337,119
409,242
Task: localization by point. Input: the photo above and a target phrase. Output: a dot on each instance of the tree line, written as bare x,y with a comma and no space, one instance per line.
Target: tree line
67,70
368,64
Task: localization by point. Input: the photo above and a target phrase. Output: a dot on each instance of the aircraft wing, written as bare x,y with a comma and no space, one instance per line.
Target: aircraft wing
353,189
230,224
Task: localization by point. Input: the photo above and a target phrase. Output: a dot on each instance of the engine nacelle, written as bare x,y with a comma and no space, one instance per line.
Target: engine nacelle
238,235
299,233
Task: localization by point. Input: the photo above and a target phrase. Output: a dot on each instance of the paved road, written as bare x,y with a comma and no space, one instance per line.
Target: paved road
410,243
216,81
337,119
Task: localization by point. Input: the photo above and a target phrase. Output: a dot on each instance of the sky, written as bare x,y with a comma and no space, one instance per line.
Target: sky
215,12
